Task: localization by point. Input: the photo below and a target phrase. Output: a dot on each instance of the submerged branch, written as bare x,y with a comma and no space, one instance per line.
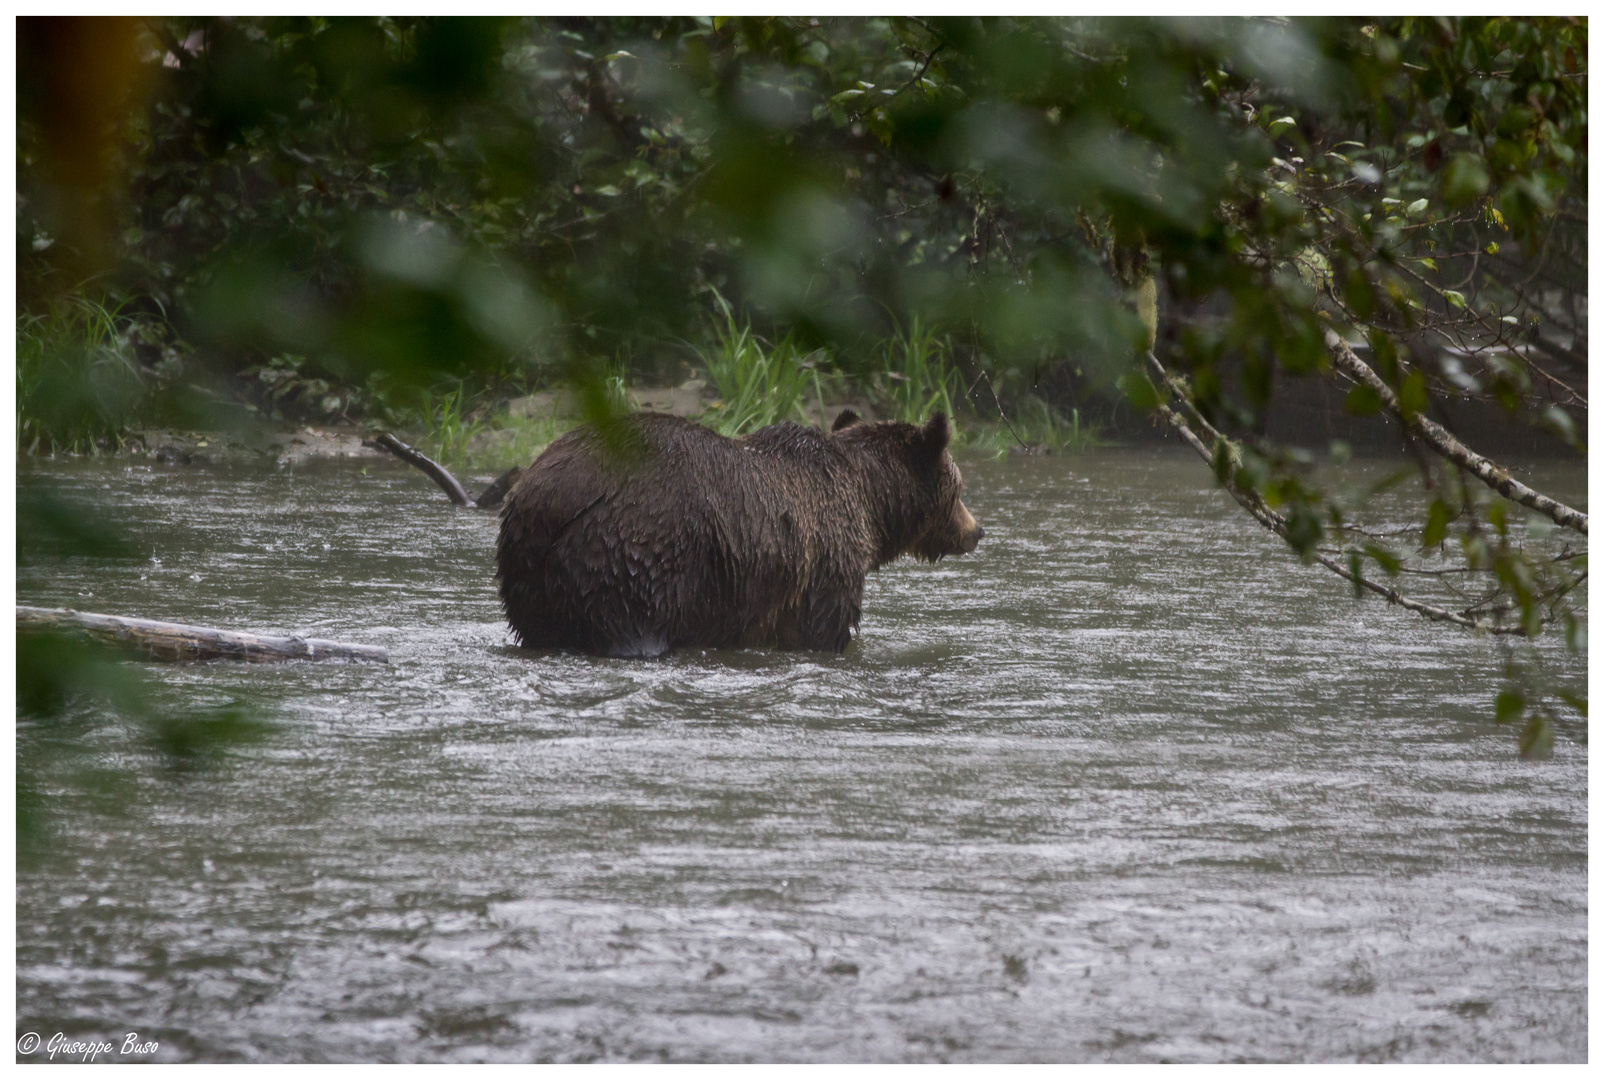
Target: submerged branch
437,472
490,498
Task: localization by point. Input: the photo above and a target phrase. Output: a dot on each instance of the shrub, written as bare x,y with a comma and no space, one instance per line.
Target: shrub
78,378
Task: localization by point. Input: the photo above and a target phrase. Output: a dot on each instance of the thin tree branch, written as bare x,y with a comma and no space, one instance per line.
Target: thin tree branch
1254,505
1438,438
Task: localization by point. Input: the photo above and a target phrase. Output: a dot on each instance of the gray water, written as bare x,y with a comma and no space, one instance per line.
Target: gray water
1128,784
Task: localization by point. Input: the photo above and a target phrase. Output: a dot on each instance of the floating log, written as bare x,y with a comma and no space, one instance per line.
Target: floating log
154,640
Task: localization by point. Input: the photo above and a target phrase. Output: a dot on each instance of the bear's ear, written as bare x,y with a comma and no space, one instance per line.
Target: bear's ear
845,420
936,435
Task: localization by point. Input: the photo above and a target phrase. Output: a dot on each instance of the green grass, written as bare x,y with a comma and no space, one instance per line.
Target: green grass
497,440
79,382
514,440
80,387
1036,424
757,386
440,422
602,391
919,376
451,422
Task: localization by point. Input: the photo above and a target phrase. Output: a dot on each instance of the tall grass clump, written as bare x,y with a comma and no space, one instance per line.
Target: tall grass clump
601,390
78,379
918,376
439,420
756,387
450,423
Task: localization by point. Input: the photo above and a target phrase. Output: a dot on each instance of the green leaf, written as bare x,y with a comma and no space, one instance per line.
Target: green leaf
1388,562
1384,350
1464,180
1304,530
1412,394
1498,517
1560,423
1363,401
187,736
1537,740
1509,705
1454,298
1437,519
1531,616
1356,290
1416,207
1140,391
1575,701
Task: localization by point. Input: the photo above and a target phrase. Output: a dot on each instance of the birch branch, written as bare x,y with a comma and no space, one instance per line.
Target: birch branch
1277,524
1438,438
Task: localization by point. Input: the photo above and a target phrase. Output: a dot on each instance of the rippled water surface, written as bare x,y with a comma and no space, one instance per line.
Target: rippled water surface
1128,784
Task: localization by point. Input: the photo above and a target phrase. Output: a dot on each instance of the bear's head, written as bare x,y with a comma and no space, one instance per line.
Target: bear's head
917,483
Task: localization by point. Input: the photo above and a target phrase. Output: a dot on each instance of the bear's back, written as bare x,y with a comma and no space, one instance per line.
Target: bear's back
655,532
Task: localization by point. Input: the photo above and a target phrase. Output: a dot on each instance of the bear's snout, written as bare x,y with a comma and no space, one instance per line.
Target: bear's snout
957,535
969,531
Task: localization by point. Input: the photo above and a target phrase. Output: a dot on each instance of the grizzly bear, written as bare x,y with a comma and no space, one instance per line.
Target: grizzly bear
653,533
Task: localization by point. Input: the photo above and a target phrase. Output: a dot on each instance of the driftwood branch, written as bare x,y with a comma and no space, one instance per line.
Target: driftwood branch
436,471
176,641
489,499
1438,438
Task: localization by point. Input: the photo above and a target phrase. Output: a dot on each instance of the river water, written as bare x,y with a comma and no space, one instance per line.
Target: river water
1128,784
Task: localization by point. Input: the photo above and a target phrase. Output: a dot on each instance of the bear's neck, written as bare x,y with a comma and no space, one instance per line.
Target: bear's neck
890,497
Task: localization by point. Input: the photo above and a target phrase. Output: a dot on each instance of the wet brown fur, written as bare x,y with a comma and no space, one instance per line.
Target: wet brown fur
658,533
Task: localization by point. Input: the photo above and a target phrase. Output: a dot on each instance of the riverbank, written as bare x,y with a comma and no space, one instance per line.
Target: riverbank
513,431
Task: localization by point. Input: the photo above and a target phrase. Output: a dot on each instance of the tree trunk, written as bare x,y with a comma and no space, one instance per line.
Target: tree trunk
154,640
